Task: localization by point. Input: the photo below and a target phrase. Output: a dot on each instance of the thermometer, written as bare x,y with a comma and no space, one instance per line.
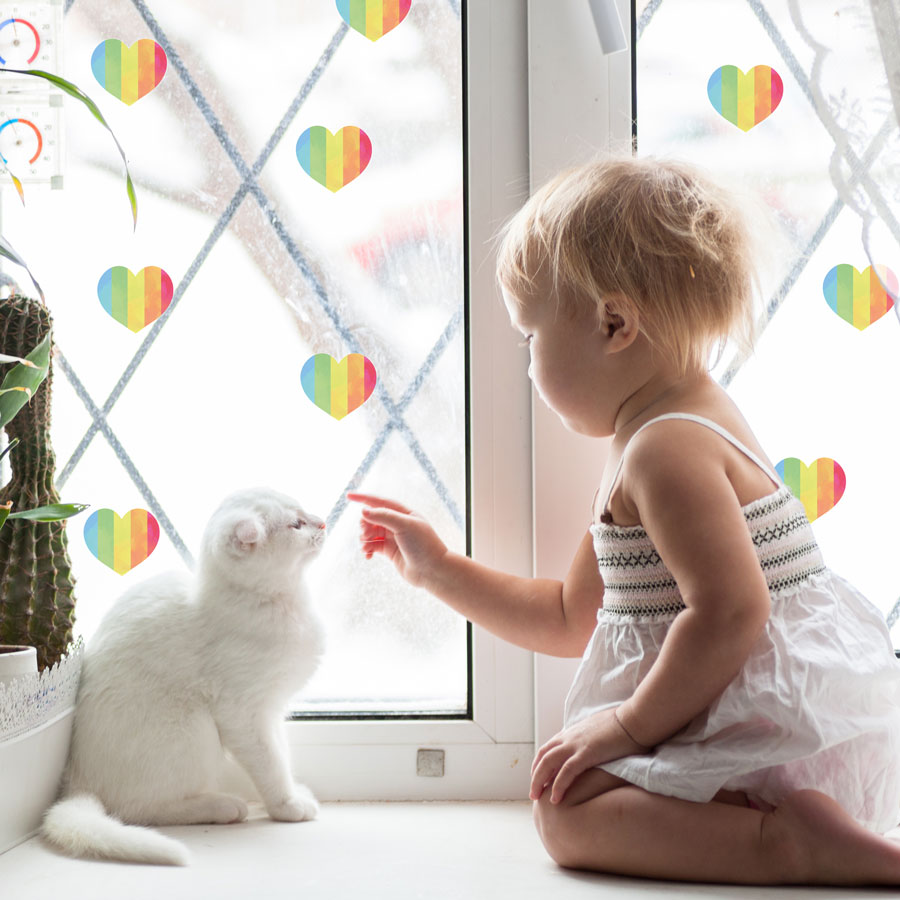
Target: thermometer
31,137
29,36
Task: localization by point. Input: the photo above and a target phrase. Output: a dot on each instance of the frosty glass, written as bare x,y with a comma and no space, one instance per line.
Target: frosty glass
270,267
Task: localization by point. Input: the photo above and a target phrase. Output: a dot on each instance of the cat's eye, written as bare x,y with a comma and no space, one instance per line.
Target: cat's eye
298,524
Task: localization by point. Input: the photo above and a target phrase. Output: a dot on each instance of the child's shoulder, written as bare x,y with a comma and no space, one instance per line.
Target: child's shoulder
674,459
671,456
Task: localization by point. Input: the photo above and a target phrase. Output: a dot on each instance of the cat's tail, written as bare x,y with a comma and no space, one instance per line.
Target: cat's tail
80,826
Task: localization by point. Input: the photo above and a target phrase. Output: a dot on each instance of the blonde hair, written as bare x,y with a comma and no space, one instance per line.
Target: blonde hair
656,234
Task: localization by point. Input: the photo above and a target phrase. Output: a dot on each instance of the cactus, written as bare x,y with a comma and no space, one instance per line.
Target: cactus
36,597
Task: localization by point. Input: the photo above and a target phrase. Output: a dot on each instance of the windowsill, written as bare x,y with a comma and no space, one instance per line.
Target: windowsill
372,850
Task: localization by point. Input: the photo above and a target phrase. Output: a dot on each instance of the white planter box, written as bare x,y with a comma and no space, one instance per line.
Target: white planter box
36,713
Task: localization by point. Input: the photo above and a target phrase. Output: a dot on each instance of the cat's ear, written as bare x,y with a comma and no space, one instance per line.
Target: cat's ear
247,534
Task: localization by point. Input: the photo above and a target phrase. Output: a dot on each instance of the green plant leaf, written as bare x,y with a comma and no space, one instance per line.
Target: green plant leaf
52,513
17,184
8,447
29,379
74,91
7,251
17,359
4,512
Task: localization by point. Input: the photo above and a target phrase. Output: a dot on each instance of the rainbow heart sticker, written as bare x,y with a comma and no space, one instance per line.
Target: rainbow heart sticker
135,300
818,486
338,387
121,543
334,160
129,73
745,100
858,297
373,18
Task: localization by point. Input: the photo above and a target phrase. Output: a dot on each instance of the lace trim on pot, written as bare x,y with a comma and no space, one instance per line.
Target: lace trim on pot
31,701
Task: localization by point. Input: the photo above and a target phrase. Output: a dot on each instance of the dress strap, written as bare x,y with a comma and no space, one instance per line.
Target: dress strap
701,421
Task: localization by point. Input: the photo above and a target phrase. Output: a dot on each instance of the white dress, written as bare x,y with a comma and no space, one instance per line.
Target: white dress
816,704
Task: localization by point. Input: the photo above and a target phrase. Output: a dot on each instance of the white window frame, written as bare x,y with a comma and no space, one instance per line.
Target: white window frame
579,106
489,756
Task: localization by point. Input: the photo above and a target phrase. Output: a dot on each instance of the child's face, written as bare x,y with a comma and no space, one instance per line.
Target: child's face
571,367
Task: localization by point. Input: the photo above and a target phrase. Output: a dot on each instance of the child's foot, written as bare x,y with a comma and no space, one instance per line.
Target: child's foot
828,845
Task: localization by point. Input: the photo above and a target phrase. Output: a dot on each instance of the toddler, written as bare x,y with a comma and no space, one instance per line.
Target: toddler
736,714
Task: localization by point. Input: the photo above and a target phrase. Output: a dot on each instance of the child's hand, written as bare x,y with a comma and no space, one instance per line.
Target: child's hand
597,739
405,538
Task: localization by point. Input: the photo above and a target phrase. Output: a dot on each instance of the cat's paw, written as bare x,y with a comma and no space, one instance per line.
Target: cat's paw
300,807
226,809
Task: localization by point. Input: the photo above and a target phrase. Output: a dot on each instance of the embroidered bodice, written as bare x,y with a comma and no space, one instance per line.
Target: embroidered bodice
637,582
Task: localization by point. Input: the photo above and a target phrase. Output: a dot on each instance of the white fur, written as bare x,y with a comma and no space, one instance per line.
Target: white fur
183,669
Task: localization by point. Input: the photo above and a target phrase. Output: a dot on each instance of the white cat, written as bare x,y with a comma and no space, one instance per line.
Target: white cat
184,668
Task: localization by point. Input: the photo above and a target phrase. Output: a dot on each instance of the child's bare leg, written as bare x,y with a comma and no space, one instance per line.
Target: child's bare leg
626,830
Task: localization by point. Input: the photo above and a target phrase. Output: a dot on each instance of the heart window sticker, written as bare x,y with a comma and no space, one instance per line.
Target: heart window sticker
373,18
334,160
335,387
129,73
121,542
860,298
745,98
135,300
818,486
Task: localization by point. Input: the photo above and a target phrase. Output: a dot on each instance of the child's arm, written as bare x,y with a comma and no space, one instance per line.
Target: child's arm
688,508
541,614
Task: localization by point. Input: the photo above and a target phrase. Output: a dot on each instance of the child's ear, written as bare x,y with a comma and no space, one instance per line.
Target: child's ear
613,323
619,323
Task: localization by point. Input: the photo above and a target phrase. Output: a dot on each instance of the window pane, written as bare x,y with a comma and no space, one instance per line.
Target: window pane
268,269
817,387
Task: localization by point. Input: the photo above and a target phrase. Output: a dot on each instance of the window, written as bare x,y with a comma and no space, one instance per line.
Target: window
269,268
825,162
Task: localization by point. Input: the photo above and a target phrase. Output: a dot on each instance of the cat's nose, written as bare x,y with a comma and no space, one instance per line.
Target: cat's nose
322,526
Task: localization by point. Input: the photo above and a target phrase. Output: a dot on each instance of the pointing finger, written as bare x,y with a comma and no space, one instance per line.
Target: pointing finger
370,500
394,521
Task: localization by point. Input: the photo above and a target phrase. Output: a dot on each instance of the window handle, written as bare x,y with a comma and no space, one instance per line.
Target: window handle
608,25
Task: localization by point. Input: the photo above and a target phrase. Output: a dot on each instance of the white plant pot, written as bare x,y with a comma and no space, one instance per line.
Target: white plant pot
36,712
16,660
